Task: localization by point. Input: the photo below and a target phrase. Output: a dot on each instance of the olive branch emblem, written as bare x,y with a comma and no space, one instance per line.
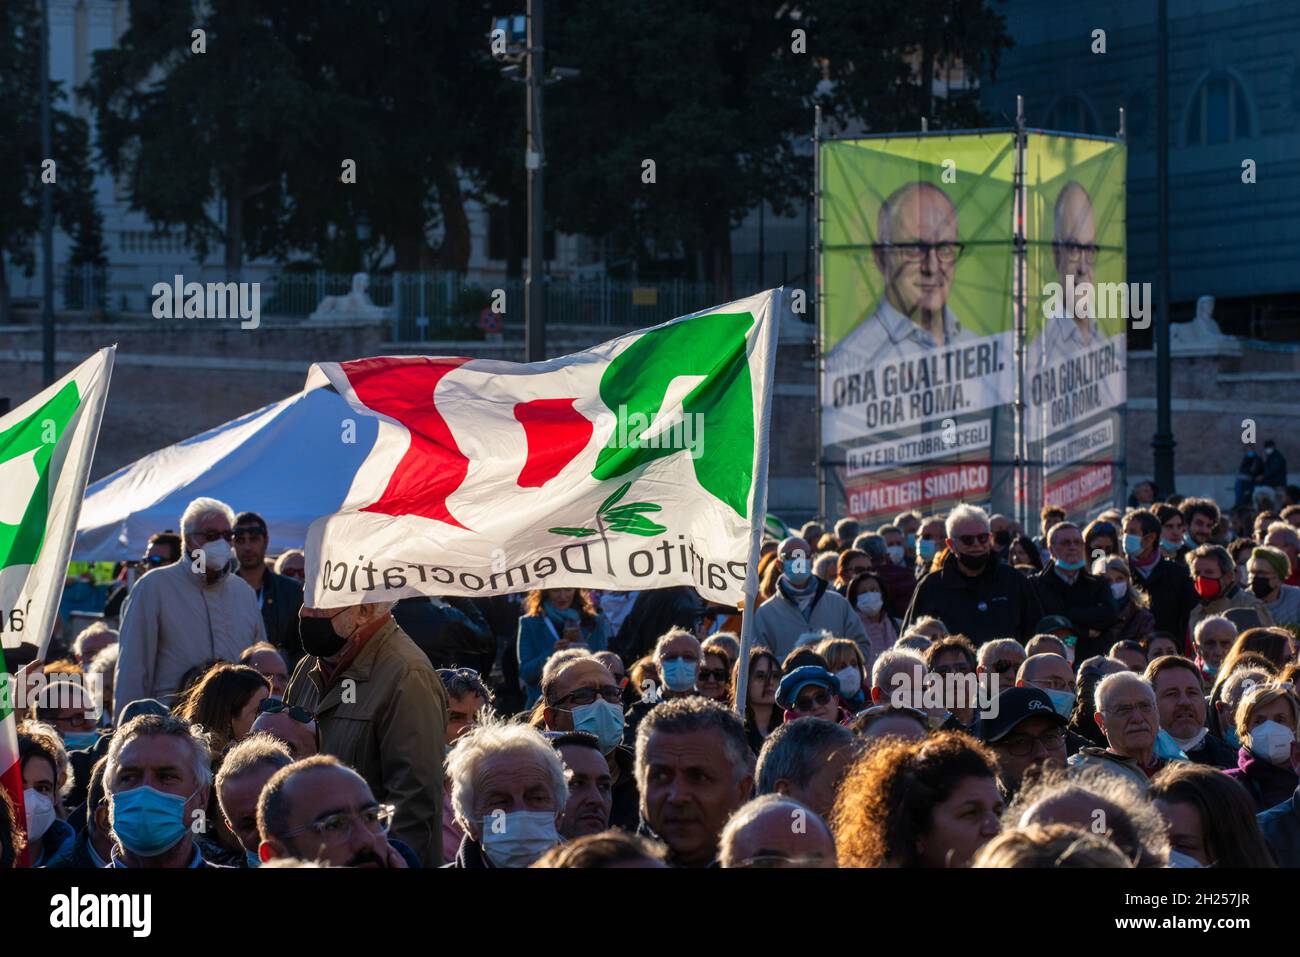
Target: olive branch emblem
612,517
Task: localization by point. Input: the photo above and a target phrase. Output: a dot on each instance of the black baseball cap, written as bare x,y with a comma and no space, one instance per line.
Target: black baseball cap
1015,706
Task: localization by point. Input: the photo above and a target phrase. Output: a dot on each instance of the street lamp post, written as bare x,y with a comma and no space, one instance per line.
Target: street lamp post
535,289
1162,444
47,208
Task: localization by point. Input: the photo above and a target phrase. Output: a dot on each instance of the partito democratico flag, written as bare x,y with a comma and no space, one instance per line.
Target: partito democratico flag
636,464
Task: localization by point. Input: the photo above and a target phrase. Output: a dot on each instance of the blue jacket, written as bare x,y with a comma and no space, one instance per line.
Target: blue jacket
1280,826
537,638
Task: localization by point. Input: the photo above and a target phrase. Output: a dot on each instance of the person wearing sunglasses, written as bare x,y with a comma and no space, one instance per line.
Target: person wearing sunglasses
181,615
973,592
319,809
715,676
810,692
294,726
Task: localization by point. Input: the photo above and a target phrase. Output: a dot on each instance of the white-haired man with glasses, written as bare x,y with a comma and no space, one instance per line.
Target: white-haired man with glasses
186,613
319,809
974,593
1129,717
916,251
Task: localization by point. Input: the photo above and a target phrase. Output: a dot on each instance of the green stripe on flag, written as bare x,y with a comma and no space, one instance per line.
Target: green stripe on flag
26,450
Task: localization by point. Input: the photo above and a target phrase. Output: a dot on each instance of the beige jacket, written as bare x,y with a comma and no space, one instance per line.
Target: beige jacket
173,620
386,716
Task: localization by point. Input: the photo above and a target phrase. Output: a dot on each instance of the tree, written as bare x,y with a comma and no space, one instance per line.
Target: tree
195,121
881,58
21,160
712,93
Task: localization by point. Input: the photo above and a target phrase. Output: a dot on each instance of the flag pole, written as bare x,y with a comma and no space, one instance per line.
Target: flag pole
758,511
95,410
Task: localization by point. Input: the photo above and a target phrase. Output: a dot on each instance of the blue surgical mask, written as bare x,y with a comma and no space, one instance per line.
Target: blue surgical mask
603,719
1062,701
1230,736
1187,538
80,740
1169,546
910,540
1065,566
679,674
148,822
1132,544
252,859
521,838
1167,748
926,549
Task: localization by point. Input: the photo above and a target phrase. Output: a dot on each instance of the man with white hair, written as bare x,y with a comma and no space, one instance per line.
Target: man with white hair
975,593
898,661
509,790
1128,716
157,779
380,708
776,831
186,613
803,602
1002,658
90,641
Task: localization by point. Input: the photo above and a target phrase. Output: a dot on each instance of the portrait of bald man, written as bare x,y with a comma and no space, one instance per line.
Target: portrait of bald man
1074,253
916,251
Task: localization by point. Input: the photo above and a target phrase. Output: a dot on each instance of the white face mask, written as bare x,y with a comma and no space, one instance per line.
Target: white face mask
1272,741
217,555
850,681
520,839
870,602
40,814
1119,589
895,554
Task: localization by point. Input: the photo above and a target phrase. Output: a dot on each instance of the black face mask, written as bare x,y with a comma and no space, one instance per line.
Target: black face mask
319,637
1261,588
973,562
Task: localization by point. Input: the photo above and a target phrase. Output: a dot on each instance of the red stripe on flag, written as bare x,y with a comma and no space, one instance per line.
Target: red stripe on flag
556,432
433,466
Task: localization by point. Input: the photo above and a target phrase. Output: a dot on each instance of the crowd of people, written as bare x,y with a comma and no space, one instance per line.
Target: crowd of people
940,691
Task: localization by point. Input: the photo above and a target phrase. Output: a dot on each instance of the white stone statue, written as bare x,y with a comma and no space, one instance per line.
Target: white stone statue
354,306
1201,336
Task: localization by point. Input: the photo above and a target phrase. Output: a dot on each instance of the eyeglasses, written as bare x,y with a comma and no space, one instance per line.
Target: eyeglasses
916,252
970,540
1022,745
1001,666
584,696
818,699
337,828
780,860
1086,251
1124,710
277,706
713,674
211,535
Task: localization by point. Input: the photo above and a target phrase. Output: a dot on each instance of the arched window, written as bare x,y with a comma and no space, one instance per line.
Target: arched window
1071,114
1218,112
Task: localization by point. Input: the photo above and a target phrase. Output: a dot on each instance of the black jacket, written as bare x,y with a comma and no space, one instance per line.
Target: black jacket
653,613
453,634
469,856
1280,826
1086,601
1213,751
281,599
1170,595
997,603
625,812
